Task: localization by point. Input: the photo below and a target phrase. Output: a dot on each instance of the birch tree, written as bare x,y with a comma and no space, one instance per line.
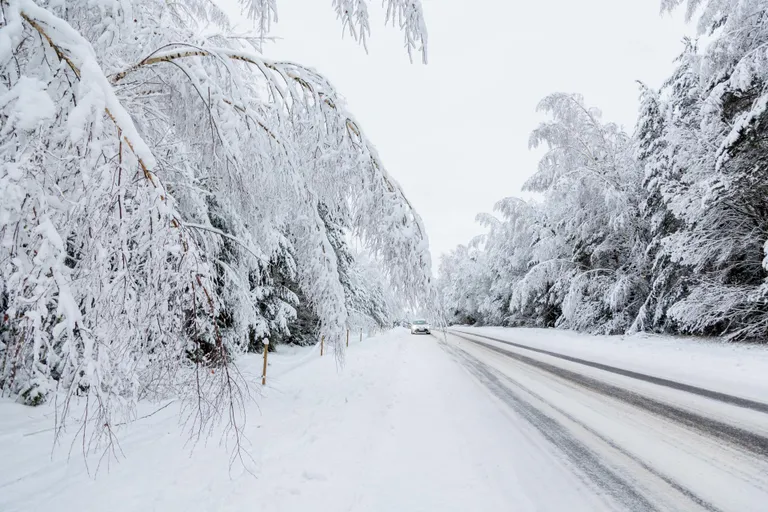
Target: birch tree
157,174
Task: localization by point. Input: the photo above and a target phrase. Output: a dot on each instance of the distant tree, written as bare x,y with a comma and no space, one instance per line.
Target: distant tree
666,230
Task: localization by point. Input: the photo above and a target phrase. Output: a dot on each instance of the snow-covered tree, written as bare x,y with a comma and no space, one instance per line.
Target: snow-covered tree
161,182
461,277
666,230
592,188
716,124
570,260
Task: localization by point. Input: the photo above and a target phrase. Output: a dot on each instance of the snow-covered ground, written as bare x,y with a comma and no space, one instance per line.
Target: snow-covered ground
400,426
415,423
651,444
735,368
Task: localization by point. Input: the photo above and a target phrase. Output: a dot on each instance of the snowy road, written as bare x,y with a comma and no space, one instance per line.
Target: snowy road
417,423
641,441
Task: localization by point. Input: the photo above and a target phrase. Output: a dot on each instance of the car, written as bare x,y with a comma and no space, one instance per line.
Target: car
419,327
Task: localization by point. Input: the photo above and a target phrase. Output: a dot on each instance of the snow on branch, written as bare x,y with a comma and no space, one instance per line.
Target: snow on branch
71,47
169,199
407,15
664,230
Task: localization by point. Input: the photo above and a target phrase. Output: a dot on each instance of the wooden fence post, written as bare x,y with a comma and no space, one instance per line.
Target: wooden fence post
322,343
347,337
264,371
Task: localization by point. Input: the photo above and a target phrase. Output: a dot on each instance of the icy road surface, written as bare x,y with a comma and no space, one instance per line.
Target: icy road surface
475,421
643,441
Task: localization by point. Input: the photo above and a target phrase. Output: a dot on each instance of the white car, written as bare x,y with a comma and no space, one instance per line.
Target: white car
419,327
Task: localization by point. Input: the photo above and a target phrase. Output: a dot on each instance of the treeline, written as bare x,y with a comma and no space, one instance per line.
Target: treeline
662,230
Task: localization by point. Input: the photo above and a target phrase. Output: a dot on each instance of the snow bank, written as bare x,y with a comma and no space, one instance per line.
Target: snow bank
733,368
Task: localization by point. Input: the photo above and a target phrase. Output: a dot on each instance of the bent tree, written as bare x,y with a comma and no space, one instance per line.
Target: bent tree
161,181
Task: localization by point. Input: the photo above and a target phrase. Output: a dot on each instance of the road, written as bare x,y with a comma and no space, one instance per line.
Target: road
640,442
421,424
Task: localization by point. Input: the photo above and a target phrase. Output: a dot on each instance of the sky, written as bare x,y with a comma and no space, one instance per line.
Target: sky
454,133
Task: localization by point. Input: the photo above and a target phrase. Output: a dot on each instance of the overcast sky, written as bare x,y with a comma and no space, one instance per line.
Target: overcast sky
454,133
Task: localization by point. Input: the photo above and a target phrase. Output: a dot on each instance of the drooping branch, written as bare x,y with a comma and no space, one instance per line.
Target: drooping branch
287,72
38,18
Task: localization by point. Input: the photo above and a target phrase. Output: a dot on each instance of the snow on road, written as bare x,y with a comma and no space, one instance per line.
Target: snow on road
650,443
400,427
736,368
413,423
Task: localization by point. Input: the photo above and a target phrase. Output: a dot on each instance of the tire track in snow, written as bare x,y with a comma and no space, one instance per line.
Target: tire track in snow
580,455
666,479
750,442
695,390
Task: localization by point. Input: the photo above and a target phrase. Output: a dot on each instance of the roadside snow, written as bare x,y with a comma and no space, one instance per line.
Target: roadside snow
400,427
733,368
665,461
